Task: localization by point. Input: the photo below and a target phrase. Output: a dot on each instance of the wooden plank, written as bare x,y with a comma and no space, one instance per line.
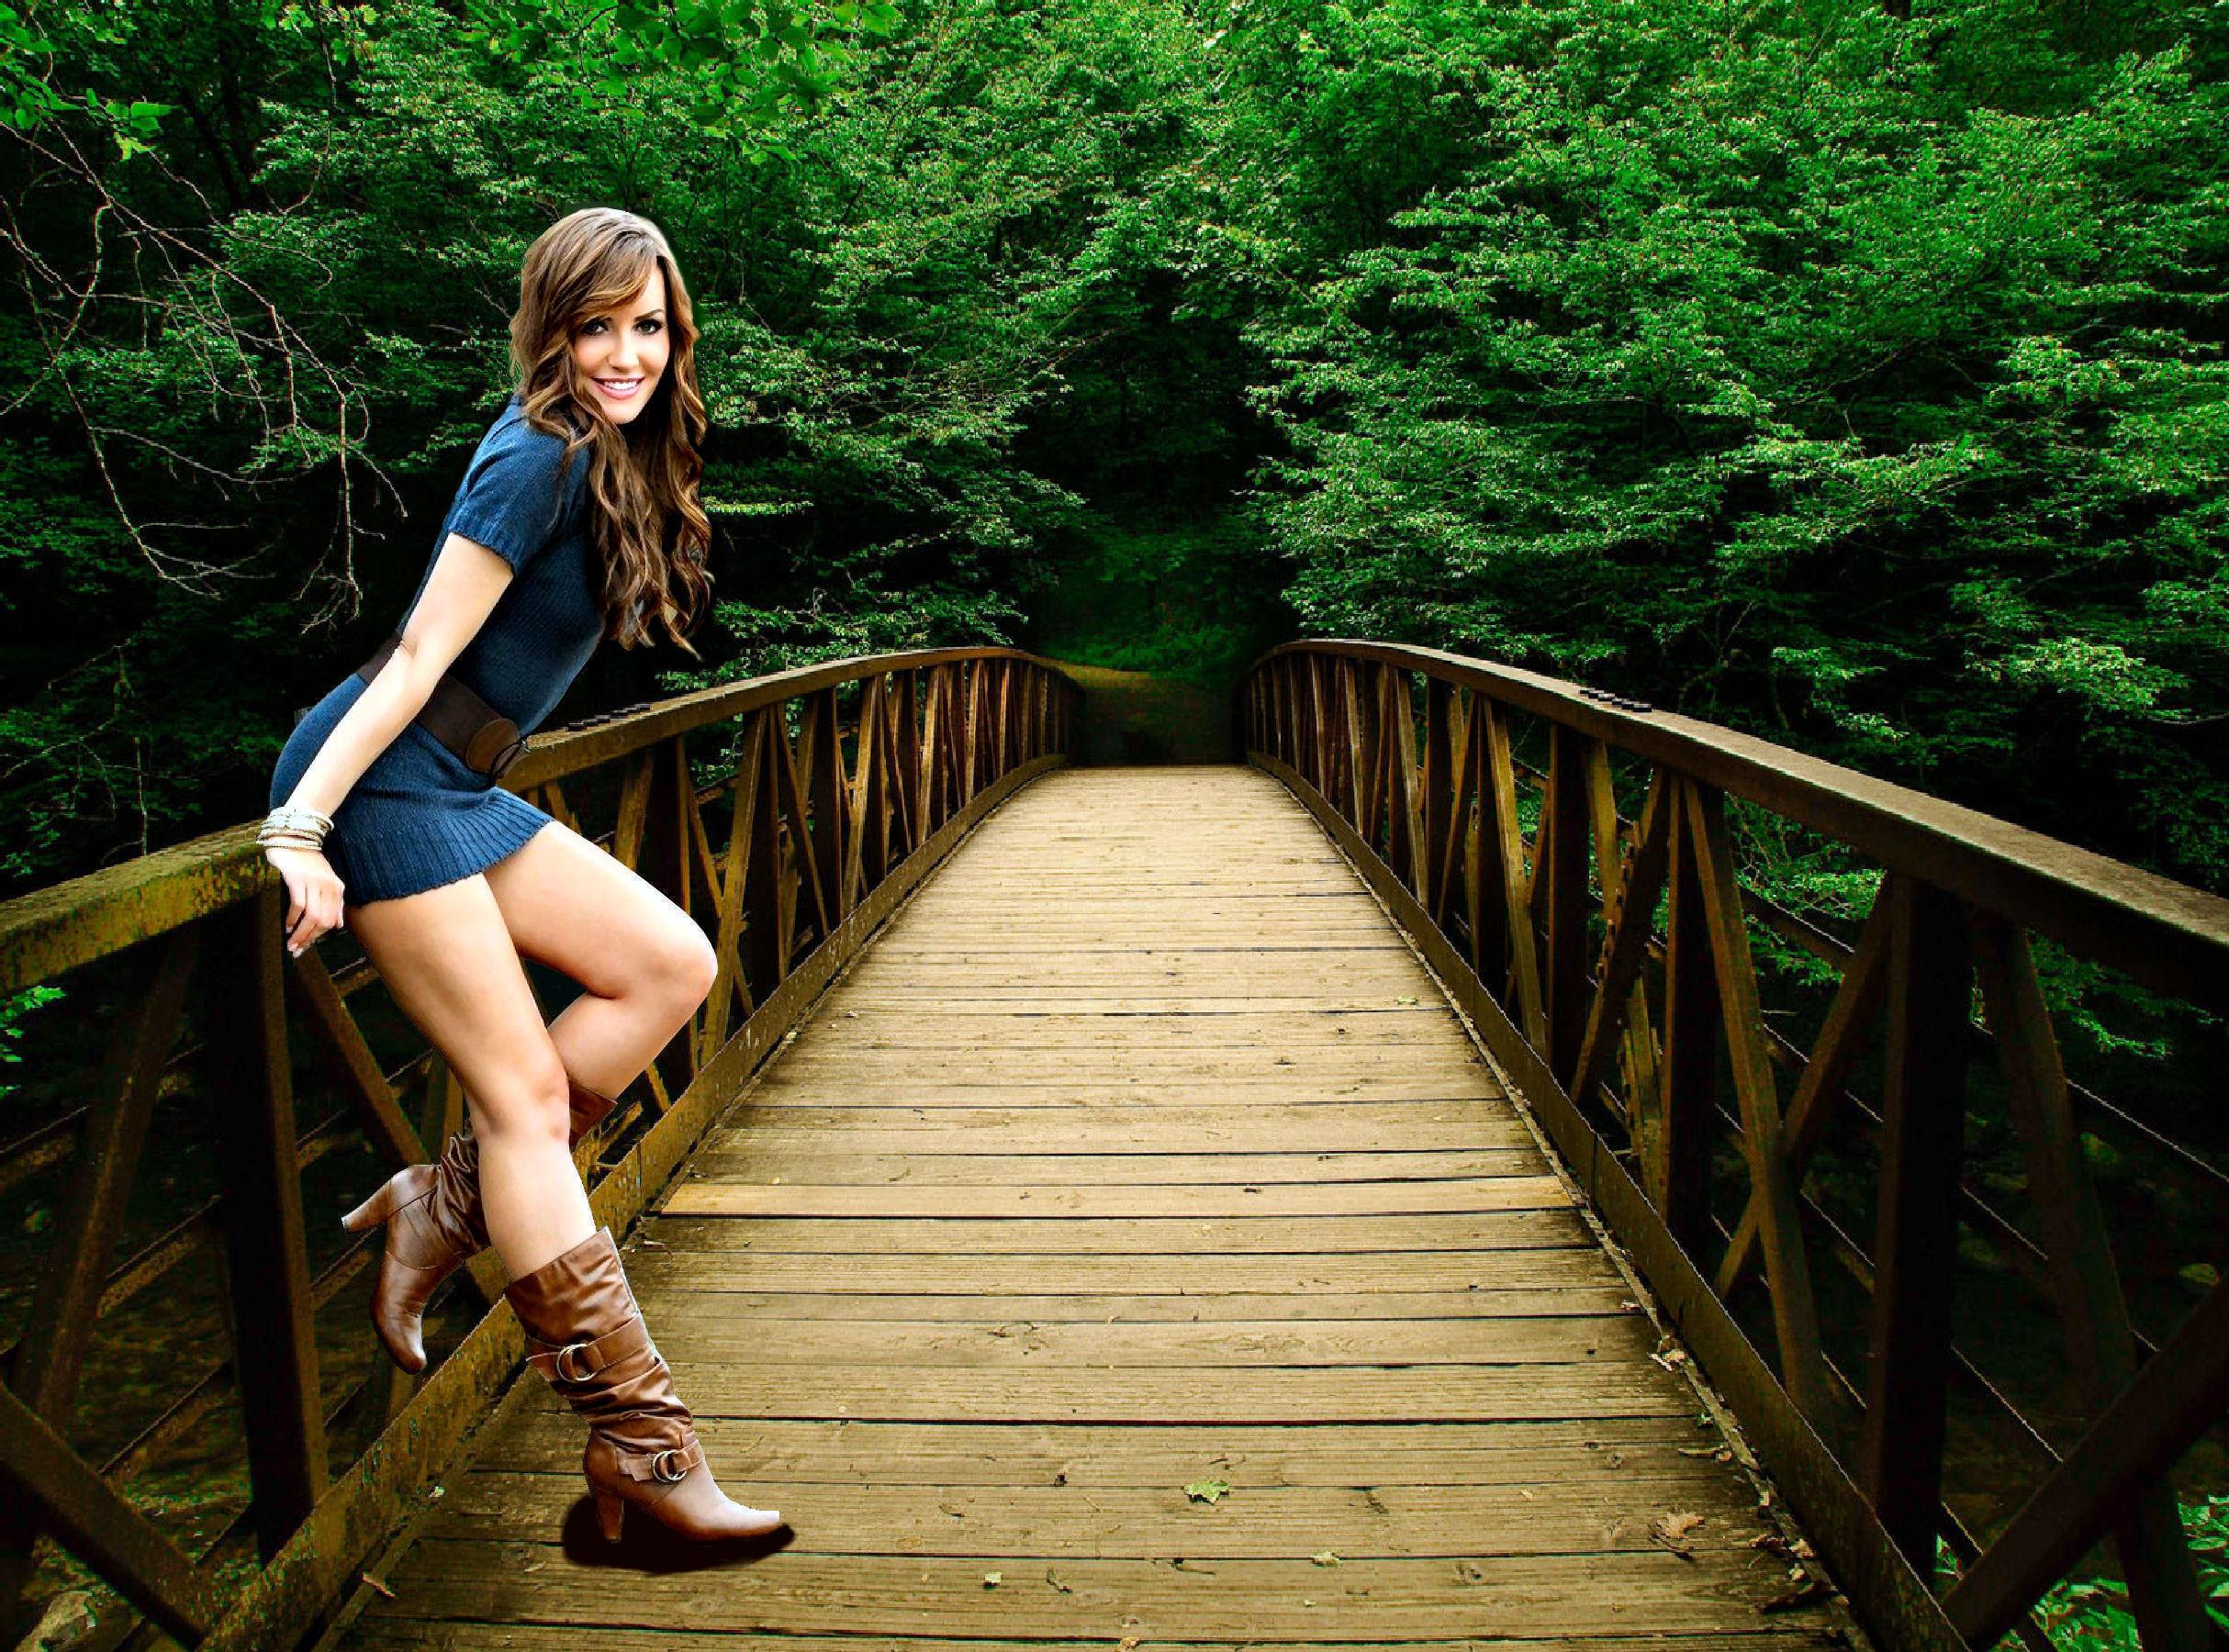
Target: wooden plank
757,1163
1488,1279
888,1455
975,1300
1186,1394
1382,1519
1260,1599
1488,1231
1145,1120
410,1634
706,1198
707,1332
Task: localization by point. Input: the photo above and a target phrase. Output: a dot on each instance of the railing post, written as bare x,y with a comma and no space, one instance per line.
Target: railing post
1678,1168
767,948
1561,856
1397,720
823,739
877,757
1930,989
1439,782
663,861
273,1319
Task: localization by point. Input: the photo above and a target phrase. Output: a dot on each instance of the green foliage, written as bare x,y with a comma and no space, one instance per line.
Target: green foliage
13,1012
1162,600
1855,380
2085,1613
735,68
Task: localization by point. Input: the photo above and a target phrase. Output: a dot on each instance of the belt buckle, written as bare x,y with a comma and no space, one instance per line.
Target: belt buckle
663,1461
495,747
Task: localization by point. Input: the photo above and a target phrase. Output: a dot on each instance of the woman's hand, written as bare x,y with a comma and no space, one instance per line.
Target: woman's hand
313,890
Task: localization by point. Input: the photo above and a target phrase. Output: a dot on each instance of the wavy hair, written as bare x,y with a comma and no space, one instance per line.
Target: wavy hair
652,533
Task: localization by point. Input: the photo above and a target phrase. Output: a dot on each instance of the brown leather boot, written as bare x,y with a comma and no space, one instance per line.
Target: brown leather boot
586,1335
436,1226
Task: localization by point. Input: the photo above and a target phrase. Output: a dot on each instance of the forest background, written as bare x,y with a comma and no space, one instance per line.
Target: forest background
1849,371
1850,378
1843,371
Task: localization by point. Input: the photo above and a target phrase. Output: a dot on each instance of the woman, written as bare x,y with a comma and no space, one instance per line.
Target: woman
577,518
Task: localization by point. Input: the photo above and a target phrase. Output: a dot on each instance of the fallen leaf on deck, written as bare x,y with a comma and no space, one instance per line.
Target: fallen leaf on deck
1811,1589
1207,1490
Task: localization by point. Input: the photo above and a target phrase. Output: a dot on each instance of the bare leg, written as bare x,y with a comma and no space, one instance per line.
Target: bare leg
644,963
447,957
645,966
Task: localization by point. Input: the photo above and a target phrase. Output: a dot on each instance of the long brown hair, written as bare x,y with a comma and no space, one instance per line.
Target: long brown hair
643,476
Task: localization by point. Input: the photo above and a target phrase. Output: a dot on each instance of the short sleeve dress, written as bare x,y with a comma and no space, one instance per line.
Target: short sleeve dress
418,816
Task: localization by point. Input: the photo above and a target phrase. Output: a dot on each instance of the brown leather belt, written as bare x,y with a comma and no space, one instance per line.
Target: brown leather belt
484,740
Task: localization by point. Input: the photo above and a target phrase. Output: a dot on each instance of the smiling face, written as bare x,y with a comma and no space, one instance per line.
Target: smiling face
621,352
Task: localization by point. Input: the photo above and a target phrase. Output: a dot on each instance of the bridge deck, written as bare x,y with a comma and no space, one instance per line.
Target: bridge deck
1139,1152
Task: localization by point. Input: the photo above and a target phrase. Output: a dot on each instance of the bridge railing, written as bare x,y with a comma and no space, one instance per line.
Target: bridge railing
159,1189
1570,863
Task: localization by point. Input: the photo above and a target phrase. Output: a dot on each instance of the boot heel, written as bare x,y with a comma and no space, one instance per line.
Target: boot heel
611,1510
374,1212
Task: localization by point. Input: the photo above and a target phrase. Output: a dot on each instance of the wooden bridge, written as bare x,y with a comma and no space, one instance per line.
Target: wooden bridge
1405,1189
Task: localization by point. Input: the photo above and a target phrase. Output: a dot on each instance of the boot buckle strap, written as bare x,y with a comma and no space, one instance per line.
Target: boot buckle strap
670,1465
580,1361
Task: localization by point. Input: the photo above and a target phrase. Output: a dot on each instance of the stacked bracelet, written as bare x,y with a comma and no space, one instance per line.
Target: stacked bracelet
294,825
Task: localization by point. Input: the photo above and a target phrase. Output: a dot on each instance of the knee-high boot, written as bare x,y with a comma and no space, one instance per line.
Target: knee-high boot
586,1335
435,1225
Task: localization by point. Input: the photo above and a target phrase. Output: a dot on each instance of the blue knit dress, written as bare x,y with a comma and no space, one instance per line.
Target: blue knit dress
418,817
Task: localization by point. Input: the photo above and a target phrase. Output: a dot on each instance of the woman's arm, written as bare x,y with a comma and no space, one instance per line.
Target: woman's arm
460,594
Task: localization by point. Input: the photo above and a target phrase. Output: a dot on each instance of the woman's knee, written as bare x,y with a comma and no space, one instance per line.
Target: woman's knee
528,1101
687,964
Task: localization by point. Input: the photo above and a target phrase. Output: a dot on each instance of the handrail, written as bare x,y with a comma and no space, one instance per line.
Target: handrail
835,788
49,930
1607,964
2164,935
